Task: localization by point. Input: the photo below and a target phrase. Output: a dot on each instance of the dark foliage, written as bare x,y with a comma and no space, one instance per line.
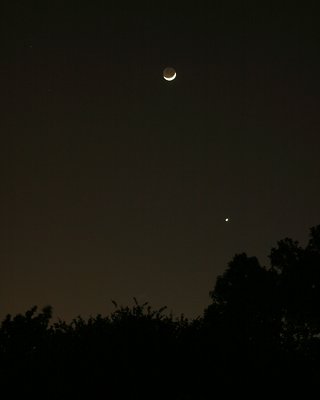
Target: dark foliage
262,327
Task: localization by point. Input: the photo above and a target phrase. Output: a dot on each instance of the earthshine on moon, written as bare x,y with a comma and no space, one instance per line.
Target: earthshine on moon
169,74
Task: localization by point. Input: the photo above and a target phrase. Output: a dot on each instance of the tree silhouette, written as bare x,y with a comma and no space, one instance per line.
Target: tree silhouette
268,318
298,272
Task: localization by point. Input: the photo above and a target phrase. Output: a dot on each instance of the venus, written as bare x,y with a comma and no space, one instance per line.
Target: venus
169,74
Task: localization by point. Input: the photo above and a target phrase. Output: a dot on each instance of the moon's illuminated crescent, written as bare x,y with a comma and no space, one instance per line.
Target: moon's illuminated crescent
170,79
169,74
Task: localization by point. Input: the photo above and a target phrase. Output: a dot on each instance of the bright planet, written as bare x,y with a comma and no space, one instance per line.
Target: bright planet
169,74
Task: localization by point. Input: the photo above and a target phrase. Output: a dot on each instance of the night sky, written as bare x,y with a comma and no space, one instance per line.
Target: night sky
116,183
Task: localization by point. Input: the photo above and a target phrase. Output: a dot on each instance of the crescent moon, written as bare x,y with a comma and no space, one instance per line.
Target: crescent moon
171,78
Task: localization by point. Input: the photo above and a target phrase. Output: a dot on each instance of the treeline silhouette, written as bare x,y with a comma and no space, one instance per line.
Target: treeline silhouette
262,327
